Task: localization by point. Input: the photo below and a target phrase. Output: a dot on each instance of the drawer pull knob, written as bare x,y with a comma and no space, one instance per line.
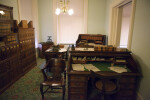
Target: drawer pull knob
77,97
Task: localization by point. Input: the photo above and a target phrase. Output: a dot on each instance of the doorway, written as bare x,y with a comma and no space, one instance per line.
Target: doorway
117,31
126,15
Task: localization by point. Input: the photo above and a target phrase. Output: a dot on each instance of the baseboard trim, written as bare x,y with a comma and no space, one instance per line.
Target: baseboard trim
139,96
36,50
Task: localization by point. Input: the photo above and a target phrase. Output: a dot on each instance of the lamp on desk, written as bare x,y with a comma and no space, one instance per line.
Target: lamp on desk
49,39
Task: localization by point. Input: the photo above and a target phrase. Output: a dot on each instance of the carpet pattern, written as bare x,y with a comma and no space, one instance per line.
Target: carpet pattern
28,87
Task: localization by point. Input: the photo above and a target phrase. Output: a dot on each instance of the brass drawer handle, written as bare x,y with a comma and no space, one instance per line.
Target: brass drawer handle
77,96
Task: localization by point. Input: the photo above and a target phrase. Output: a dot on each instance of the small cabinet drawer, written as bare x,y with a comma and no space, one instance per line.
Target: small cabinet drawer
127,86
77,97
127,92
132,97
78,78
127,80
77,90
77,84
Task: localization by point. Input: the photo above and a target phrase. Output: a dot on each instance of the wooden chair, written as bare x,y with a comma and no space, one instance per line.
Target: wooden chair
54,77
107,85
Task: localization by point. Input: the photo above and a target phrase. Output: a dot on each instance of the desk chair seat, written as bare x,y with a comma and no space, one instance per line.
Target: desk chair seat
106,85
109,86
53,83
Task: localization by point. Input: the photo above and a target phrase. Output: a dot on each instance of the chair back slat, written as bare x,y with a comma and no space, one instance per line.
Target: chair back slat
54,77
56,67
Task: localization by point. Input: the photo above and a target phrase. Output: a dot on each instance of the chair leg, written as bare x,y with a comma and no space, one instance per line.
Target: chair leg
41,90
63,95
102,97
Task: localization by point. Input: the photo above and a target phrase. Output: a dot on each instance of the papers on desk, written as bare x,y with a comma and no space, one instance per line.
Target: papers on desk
120,60
118,69
84,49
78,67
91,44
81,67
48,50
62,50
90,67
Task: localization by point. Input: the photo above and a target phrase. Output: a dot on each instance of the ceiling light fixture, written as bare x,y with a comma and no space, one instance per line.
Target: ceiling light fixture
2,12
64,8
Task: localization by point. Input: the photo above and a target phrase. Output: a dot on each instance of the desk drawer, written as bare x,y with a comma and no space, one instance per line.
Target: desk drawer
126,98
127,80
77,90
78,84
127,86
77,97
78,78
126,92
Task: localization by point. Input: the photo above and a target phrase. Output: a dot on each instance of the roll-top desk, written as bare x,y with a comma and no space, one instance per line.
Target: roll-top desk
90,40
78,80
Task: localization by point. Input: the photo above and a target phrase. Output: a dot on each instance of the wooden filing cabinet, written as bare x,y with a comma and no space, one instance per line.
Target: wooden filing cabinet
42,47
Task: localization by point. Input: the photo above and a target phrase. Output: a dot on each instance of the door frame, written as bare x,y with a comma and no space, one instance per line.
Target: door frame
115,22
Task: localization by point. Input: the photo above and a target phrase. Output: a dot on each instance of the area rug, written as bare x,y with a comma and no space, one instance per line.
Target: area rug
28,87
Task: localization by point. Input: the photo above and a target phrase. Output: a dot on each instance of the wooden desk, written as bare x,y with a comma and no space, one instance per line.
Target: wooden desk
78,80
55,54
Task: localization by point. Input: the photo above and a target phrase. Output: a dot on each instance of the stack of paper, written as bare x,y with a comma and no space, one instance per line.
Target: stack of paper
120,60
93,58
118,69
62,50
84,59
84,49
90,49
74,58
78,67
48,50
90,67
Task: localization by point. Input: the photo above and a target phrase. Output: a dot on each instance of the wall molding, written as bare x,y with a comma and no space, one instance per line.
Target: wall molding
55,21
19,10
114,27
85,17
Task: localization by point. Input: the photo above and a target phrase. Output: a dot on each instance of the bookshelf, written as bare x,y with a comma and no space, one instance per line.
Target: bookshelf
7,36
6,20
